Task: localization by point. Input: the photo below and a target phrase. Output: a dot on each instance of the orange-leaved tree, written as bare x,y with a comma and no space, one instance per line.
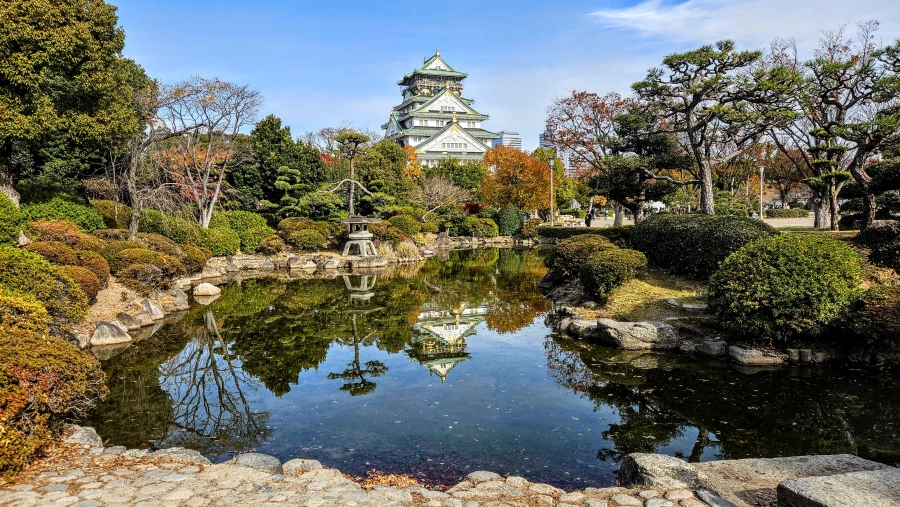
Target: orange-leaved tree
515,178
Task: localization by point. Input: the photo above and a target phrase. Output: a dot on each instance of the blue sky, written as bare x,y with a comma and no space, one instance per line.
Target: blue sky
327,63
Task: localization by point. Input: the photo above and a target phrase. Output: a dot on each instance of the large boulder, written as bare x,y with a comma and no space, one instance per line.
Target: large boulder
179,300
109,333
753,357
658,471
637,335
130,323
144,318
206,289
712,348
82,435
581,328
259,461
298,466
155,312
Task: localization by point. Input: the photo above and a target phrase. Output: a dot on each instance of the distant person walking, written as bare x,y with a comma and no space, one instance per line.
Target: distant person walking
587,219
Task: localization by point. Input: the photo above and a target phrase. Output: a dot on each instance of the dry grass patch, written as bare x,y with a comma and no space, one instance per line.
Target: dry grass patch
644,298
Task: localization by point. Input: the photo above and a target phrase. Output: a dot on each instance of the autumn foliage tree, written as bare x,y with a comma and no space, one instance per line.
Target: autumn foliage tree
514,178
211,113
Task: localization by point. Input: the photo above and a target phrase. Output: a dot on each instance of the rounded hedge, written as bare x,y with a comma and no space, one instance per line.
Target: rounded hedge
407,224
294,224
85,217
784,286
876,316
43,382
23,311
385,231
12,220
194,258
430,228
170,266
480,227
54,251
29,273
571,253
160,243
272,245
114,214
510,220
111,249
96,263
177,229
220,241
86,280
884,243
306,239
250,227
64,232
694,245
787,213
608,269
530,229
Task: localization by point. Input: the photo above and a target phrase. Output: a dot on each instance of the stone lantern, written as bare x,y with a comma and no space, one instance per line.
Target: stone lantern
360,237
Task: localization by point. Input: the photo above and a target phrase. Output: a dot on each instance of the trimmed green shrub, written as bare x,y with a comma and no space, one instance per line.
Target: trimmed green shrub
876,316
385,231
194,258
884,243
694,245
430,228
54,251
608,269
510,221
251,238
220,241
407,224
530,229
177,229
96,263
43,382
480,227
29,273
570,254
294,224
111,249
111,234
784,286
306,239
160,243
12,220
59,208
170,266
250,227
620,235
114,214
787,213
86,280
64,232
272,245
23,311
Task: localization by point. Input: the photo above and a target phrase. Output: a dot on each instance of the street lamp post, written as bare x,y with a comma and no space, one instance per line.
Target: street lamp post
761,175
552,159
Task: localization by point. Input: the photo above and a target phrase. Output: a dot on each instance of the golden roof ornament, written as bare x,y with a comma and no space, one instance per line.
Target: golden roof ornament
454,116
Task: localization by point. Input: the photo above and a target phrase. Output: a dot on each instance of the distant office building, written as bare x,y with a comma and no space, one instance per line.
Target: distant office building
546,141
509,139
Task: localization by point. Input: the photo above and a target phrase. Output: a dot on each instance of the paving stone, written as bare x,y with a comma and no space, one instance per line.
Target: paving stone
679,494
516,481
648,494
626,500
658,502
545,489
872,488
572,497
297,466
482,476
692,502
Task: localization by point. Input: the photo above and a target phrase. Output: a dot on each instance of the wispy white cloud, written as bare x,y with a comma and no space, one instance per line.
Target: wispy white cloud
752,23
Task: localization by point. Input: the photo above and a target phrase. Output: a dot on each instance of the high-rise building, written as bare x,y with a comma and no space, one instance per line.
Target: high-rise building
546,141
435,118
508,138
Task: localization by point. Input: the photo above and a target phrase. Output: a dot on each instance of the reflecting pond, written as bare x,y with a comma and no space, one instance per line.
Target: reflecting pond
449,367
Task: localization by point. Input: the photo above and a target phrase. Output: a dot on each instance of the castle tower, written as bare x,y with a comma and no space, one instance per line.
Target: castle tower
435,118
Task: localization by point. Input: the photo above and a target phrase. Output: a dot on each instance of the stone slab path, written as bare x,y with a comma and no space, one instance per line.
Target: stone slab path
84,474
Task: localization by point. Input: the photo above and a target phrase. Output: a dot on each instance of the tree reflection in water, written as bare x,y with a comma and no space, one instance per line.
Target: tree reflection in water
211,411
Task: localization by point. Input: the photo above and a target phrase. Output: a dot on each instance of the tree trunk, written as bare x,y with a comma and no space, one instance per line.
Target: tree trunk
352,185
833,209
870,207
618,219
707,194
7,187
820,209
637,212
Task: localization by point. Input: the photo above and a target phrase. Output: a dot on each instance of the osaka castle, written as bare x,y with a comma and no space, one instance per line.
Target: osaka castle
435,118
